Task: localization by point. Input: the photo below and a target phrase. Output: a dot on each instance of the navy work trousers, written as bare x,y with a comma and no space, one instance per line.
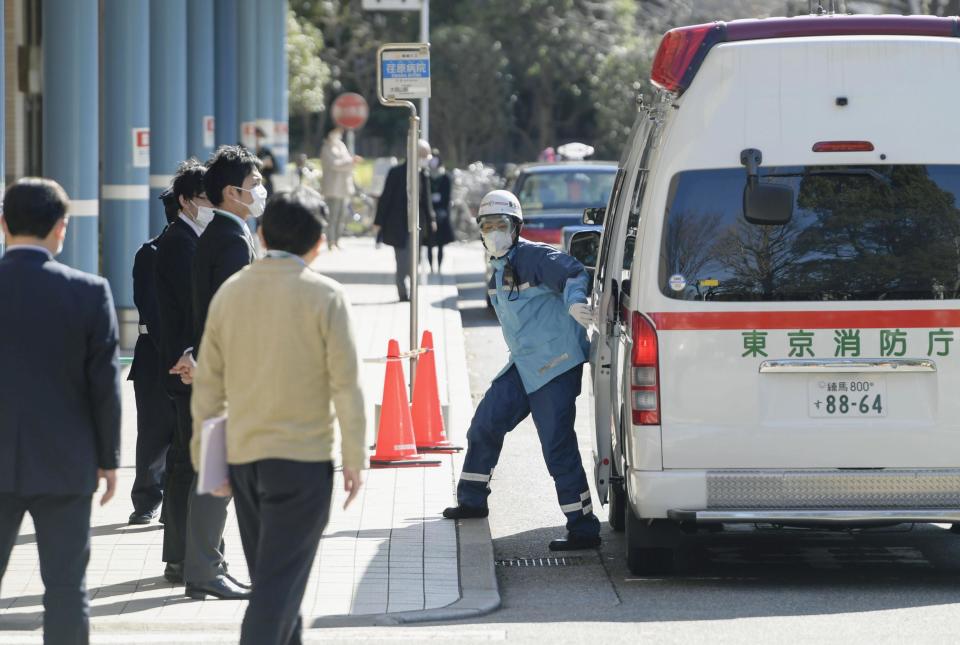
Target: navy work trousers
554,410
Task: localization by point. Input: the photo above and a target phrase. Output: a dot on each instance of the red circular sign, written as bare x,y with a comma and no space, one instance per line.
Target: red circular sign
350,111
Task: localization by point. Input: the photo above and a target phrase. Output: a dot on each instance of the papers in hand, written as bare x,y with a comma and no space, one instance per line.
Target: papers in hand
213,455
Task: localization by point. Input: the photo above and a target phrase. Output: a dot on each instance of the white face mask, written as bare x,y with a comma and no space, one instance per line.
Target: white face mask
259,200
497,242
204,215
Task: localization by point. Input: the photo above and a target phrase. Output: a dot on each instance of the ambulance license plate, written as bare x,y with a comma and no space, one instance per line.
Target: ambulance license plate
858,396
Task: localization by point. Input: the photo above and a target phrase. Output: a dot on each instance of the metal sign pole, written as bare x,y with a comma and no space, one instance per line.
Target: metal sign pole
413,223
408,69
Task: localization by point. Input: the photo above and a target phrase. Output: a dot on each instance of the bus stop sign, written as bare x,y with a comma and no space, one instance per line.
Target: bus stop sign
404,72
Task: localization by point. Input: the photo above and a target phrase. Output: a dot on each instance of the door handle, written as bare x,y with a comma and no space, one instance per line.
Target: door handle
847,365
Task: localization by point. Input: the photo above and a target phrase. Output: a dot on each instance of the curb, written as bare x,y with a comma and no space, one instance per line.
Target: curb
479,594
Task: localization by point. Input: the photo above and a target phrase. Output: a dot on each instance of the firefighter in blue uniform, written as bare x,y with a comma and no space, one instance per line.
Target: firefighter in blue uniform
540,295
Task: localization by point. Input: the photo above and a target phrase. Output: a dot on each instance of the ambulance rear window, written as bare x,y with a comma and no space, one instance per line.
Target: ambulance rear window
858,233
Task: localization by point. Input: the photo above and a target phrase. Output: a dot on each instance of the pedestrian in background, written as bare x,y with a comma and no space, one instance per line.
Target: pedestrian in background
278,349
306,174
174,272
268,161
337,162
59,401
440,195
156,416
390,225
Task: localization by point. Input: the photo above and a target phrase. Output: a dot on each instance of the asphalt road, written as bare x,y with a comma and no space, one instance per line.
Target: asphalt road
745,584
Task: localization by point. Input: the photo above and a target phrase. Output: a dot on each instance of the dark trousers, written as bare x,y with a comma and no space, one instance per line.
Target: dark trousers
179,479
402,256
156,425
439,248
282,508
62,524
554,410
193,532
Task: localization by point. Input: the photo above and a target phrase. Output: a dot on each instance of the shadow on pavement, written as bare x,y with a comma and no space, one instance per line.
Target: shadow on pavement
743,572
14,621
374,304
359,277
106,529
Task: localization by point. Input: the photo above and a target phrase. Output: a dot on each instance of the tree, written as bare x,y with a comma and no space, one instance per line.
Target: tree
555,47
470,108
621,78
308,74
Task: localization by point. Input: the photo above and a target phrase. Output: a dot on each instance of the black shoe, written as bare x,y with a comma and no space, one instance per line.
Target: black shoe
138,517
404,299
463,512
174,572
575,542
242,585
220,587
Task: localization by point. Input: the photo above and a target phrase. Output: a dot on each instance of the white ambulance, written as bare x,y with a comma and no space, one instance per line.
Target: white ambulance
778,283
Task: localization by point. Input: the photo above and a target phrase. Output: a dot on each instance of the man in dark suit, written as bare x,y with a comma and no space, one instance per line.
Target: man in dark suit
174,275
156,417
390,224
234,186
59,401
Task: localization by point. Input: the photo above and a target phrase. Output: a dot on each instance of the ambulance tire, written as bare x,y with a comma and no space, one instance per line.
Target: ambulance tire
616,506
649,549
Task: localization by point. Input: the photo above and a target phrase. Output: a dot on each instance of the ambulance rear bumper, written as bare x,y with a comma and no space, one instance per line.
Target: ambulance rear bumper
845,517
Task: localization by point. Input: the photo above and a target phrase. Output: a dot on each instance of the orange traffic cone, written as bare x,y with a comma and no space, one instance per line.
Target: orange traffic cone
395,442
427,414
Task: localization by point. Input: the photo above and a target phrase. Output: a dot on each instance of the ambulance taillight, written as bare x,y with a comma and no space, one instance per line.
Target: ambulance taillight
644,372
683,50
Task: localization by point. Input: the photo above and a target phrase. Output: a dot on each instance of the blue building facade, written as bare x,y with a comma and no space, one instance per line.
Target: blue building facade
109,96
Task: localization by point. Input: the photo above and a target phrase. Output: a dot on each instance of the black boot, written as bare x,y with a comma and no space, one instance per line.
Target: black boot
575,542
463,512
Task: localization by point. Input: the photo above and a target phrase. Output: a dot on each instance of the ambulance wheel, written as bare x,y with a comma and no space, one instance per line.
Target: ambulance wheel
648,548
616,506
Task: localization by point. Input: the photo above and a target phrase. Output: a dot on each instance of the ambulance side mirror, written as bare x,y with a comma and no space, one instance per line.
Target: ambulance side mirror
594,216
584,246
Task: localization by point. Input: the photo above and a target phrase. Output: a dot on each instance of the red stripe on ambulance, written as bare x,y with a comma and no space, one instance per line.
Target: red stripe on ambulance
876,319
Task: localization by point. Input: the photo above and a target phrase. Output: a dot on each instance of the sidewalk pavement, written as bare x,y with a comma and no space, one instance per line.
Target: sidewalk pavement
390,558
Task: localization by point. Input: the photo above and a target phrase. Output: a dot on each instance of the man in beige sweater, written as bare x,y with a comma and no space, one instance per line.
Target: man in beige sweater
277,351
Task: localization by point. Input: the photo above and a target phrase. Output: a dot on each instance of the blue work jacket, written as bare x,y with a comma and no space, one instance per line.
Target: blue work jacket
532,305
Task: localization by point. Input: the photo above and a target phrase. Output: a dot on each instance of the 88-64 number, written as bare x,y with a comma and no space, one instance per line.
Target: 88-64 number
844,404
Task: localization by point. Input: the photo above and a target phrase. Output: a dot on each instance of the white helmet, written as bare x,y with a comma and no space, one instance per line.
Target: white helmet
500,202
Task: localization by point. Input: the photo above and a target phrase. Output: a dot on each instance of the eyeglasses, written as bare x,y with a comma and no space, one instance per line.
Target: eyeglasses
495,223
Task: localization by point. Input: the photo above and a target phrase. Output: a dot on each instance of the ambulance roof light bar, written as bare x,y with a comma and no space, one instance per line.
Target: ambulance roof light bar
683,49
